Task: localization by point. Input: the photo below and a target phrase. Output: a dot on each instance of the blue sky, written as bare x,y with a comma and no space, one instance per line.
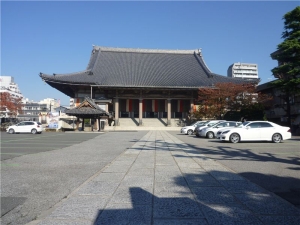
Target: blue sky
57,36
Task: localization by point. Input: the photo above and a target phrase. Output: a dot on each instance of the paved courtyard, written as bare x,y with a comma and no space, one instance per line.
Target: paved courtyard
274,167
155,178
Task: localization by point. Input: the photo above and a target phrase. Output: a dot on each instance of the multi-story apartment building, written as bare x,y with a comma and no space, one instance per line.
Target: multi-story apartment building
51,103
247,71
277,112
7,85
32,111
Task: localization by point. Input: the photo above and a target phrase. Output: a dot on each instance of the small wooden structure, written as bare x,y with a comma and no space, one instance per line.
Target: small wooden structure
88,109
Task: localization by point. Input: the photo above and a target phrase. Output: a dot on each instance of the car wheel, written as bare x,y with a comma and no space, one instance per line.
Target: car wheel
210,135
276,138
234,138
190,132
33,131
11,131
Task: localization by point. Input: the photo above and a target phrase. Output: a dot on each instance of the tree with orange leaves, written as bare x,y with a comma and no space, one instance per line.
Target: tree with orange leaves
215,101
13,104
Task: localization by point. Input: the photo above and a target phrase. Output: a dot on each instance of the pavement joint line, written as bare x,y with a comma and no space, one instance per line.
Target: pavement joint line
8,153
39,142
31,147
9,164
37,136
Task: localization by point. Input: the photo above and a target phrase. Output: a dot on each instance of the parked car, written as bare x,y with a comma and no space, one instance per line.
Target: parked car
26,127
207,124
255,131
211,132
191,128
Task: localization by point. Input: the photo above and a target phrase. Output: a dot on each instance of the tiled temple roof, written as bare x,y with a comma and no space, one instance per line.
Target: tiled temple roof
142,68
87,108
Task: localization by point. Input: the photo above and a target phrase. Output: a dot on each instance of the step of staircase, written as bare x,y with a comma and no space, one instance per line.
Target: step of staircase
148,124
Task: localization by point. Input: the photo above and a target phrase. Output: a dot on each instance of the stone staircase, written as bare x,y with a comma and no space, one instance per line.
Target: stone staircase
148,124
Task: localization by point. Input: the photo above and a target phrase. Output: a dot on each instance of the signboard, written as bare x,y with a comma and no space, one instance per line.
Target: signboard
53,119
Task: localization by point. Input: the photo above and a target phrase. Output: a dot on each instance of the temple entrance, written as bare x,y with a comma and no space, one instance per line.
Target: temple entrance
153,108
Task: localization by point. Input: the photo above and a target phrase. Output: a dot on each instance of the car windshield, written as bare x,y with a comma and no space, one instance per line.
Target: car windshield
201,124
218,124
212,124
204,123
193,123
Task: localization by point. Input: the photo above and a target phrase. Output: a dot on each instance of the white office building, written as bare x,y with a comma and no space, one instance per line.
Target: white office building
51,103
8,85
248,71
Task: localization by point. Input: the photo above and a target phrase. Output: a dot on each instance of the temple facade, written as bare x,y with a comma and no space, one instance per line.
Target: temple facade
140,83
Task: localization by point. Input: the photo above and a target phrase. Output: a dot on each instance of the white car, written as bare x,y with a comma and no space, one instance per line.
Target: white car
211,132
191,128
207,124
255,131
26,127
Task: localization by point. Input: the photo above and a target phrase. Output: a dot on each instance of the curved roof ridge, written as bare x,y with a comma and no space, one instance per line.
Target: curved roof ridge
64,74
143,50
93,59
202,59
202,63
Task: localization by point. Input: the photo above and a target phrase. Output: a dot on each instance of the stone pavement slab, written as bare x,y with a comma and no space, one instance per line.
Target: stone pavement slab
160,180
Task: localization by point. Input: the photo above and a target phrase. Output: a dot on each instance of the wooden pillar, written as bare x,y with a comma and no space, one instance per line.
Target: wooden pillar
97,124
82,126
169,113
191,105
116,112
140,112
77,123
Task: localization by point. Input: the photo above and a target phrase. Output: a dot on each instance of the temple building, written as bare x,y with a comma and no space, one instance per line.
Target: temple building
140,83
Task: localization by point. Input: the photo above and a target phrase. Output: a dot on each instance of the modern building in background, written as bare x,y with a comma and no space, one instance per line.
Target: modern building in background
8,84
51,103
247,71
30,109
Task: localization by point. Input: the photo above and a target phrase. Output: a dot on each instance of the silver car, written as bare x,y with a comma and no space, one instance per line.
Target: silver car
209,123
191,128
211,132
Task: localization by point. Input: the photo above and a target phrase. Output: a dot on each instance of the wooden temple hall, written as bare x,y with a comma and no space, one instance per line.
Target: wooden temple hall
139,83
